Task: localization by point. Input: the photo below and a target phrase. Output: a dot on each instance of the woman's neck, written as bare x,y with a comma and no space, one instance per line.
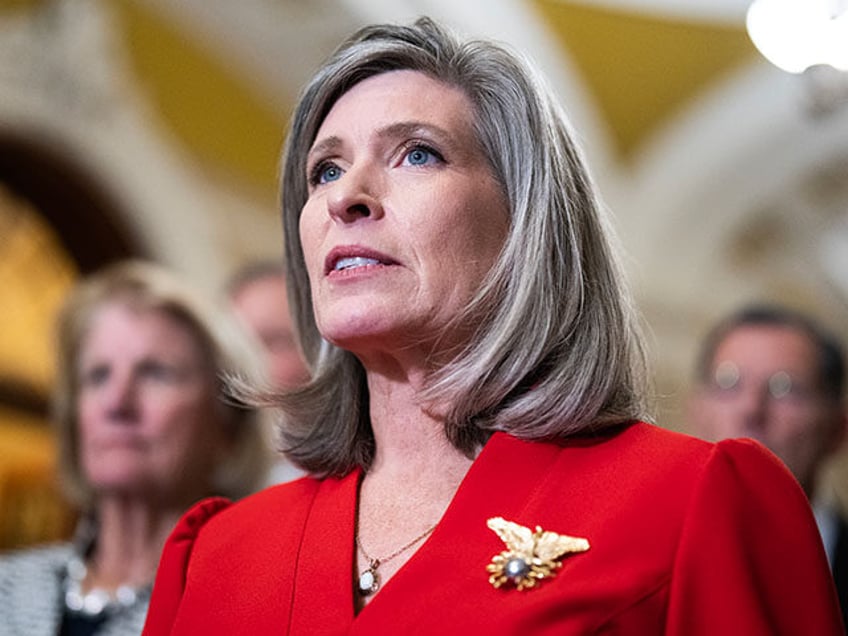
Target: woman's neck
415,472
410,442
130,537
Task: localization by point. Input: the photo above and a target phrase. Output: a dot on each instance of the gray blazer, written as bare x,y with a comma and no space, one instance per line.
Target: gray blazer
31,595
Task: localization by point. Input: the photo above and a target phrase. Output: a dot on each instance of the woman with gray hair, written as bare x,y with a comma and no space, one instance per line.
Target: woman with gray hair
472,429
144,430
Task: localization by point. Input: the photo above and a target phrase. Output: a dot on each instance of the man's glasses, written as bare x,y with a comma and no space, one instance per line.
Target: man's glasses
728,380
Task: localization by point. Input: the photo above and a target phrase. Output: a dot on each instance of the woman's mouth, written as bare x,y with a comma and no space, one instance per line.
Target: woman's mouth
353,257
352,262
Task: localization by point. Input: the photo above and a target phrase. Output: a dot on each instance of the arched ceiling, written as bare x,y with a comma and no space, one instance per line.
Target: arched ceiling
642,68
638,66
209,106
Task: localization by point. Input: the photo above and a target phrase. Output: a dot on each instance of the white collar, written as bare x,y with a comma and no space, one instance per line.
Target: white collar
827,519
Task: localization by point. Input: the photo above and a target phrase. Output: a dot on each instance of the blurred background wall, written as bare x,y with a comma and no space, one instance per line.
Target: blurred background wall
153,128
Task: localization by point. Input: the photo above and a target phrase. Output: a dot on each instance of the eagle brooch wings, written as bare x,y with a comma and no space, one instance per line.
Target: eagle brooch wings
530,555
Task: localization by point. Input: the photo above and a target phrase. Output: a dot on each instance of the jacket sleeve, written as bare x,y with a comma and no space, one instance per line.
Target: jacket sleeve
750,559
173,565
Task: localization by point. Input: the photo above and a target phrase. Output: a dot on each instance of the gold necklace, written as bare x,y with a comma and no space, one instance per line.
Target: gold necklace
369,579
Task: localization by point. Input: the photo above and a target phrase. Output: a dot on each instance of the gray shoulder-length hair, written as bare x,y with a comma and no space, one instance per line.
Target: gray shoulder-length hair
558,351
226,348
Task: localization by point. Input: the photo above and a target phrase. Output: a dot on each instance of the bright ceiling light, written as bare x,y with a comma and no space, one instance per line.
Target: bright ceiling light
797,34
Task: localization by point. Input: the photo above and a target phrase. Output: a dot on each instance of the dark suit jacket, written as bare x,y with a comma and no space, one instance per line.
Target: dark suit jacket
840,567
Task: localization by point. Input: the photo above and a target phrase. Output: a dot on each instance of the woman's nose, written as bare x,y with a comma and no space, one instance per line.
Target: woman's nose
356,196
122,398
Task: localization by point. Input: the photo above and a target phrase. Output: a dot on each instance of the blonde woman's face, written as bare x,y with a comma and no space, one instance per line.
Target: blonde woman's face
149,421
404,218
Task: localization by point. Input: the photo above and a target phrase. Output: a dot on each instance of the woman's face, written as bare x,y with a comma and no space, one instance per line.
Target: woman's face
404,218
149,421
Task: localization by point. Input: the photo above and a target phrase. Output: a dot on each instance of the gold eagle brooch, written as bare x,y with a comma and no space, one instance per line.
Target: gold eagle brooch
530,555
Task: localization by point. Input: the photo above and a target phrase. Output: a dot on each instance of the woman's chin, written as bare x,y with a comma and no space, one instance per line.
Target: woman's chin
359,330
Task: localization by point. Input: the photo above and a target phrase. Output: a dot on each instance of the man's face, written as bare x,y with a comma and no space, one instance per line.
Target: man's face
264,308
764,383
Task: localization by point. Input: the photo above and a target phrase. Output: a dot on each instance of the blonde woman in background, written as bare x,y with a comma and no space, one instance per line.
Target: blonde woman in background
144,430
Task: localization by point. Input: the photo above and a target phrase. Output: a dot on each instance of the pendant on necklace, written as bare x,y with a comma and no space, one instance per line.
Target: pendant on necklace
369,580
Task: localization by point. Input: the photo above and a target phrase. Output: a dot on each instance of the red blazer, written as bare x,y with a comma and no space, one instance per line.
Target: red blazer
686,538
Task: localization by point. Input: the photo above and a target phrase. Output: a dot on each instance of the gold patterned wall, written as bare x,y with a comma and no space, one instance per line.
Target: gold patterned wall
35,274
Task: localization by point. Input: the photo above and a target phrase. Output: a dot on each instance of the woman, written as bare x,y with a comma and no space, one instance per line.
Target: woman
144,431
472,424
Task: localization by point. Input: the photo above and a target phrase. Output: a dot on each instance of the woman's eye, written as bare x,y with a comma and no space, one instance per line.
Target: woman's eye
325,172
95,375
158,371
421,156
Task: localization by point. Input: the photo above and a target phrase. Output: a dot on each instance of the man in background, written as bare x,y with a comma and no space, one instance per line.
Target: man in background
257,295
775,375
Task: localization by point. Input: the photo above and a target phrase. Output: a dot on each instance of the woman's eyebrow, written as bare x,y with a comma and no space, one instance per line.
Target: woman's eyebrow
412,129
396,130
328,144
